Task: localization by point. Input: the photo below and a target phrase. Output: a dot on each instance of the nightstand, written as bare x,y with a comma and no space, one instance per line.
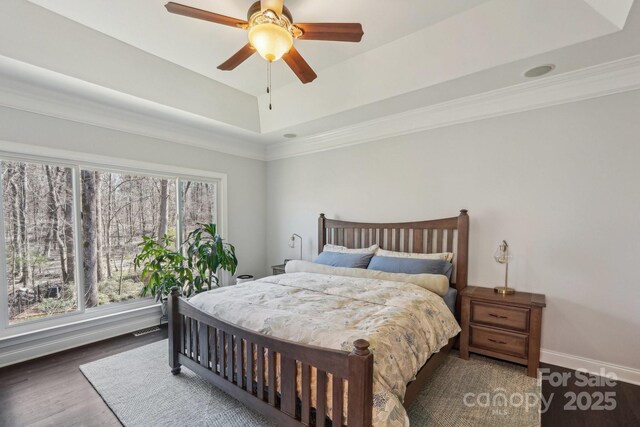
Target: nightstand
277,269
506,327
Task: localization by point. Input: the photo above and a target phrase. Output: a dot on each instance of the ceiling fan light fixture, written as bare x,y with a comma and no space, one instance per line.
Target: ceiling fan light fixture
270,40
271,30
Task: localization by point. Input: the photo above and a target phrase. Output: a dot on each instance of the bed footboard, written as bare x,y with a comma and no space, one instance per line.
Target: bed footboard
223,354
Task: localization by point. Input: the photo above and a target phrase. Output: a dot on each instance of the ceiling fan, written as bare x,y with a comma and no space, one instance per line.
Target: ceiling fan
271,34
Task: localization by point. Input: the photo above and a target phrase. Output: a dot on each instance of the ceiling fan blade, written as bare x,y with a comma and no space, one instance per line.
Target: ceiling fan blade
296,62
192,12
238,58
331,32
275,5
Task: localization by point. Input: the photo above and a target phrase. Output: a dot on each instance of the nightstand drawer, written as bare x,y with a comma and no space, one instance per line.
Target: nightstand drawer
502,316
499,341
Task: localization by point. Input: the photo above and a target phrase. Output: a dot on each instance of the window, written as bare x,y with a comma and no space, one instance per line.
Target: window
199,201
70,233
38,240
117,210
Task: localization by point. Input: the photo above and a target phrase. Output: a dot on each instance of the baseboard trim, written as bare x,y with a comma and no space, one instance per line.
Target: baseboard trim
623,373
16,350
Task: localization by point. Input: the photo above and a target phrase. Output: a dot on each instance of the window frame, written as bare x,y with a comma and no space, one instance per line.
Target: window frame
77,162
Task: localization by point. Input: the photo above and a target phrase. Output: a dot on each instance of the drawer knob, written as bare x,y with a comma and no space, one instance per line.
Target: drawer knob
496,341
498,316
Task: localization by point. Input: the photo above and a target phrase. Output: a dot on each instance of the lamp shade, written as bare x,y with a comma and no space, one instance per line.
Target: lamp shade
502,255
270,40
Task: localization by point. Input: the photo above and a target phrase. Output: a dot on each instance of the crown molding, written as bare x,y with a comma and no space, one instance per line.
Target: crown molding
36,90
33,89
592,82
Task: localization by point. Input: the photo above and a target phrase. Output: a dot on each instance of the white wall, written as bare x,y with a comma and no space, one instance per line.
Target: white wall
561,185
246,177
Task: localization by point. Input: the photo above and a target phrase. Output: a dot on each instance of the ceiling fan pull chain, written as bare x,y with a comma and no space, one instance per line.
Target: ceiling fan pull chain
268,67
269,88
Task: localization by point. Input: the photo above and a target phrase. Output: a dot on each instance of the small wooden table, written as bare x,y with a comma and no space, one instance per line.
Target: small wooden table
277,269
506,327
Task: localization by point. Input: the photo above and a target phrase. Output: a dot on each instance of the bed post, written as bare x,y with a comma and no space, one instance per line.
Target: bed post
463,255
360,379
322,234
175,326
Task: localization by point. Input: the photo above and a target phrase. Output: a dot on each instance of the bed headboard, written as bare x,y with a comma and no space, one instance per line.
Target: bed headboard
430,236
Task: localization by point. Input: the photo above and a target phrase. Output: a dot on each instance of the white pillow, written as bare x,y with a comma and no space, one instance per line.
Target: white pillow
343,249
436,283
447,256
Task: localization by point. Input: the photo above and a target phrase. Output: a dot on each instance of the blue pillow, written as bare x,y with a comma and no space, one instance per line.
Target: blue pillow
450,299
340,259
411,265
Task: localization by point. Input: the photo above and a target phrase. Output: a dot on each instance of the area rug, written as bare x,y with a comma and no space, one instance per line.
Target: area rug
138,387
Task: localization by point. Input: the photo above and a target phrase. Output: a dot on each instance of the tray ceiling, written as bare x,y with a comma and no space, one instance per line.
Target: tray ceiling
201,46
415,53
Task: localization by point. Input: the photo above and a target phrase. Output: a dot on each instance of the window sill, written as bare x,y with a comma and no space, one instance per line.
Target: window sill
76,330
68,319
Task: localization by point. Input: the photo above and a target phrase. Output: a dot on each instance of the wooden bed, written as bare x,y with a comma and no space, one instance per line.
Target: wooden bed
222,353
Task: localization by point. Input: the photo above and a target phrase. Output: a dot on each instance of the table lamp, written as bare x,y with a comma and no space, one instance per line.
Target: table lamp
502,256
292,242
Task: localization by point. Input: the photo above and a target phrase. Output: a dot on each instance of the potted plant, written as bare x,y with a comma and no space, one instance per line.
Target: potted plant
162,268
206,252
193,269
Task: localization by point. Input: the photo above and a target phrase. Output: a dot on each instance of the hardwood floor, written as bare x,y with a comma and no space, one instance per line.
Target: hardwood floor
626,397
52,391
